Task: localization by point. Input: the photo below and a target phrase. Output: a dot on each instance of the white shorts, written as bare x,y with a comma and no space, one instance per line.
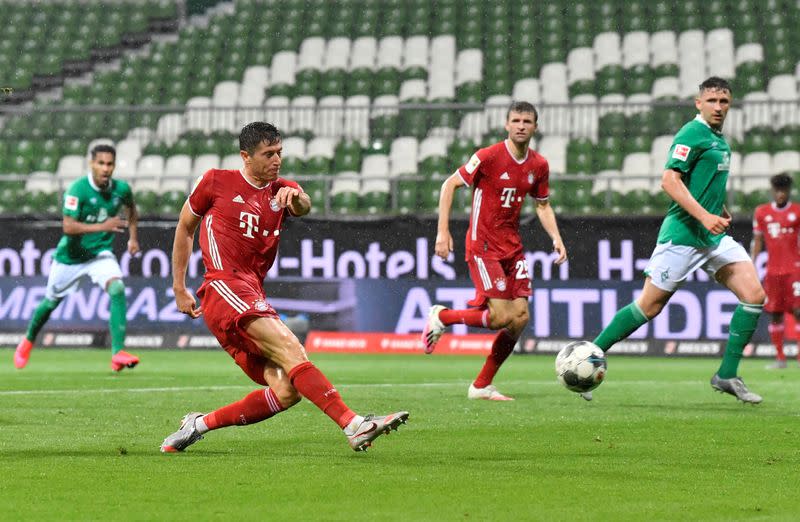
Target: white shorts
670,264
64,279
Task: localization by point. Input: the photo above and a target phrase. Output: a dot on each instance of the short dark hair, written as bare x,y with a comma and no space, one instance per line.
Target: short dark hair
257,132
103,147
781,181
716,83
523,106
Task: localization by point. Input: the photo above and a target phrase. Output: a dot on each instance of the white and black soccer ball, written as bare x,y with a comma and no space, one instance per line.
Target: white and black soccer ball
581,366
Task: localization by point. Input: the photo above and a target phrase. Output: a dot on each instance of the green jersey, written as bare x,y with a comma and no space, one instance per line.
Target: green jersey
87,203
703,156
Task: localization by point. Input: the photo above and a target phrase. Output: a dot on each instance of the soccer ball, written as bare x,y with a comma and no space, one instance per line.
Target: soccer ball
581,366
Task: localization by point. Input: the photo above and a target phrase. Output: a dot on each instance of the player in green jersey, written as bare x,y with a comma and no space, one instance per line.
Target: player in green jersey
693,236
90,222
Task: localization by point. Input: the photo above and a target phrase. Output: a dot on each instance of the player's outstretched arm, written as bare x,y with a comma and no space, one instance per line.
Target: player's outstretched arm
756,245
547,217
299,202
672,183
181,252
133,229
444,241
73,227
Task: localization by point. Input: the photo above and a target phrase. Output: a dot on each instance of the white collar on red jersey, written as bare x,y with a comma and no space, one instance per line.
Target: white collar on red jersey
779,209
511,153
251,183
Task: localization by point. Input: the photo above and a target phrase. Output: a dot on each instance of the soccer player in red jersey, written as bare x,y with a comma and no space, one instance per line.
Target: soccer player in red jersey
240,213
501,176
776,225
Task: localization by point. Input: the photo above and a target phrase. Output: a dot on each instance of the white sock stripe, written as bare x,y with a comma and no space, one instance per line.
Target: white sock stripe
778,327
222,292
272,401
233,295
751,308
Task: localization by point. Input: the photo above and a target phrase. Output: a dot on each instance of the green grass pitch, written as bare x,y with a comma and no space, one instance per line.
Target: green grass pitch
78,443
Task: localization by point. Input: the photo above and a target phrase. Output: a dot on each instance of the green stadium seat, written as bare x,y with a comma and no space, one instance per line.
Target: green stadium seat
406,192
347,156
428,194
580,156
758,139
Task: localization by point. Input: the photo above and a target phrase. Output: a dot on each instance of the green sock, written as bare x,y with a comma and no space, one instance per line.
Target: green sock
625,322
40,317
743,324
117,321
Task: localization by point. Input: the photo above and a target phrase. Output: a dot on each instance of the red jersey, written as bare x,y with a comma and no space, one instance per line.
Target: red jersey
499,184
241,225
780,227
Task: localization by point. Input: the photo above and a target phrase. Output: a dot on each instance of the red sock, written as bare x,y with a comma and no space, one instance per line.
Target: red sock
502,347
776,334
314,386
257,406
477,317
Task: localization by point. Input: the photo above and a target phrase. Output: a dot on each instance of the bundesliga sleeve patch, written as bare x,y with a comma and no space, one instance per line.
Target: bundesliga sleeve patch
71,203
681,152
472,164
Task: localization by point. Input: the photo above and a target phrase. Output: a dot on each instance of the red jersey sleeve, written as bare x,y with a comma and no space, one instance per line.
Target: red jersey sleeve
758,227
202,195
470,171
541,188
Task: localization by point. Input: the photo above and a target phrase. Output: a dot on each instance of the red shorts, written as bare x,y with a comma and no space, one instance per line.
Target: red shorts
499,279
228,307
783,292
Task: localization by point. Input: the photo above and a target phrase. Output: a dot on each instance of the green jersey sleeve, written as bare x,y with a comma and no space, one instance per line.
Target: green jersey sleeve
72,201
684,152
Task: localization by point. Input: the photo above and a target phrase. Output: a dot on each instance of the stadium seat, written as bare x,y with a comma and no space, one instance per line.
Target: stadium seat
580,71
527,89
344,194
319,155
204,163
495,111
785,161
302,116
294,154
415,58
329,117
756,169
347,157
554,148
402,157
375,184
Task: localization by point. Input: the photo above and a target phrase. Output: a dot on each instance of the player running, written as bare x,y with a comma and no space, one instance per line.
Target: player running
502,175
776,226
241,212
90,221
693,236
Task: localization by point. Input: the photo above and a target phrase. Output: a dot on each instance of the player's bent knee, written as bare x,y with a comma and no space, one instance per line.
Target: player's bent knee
287,396
116,287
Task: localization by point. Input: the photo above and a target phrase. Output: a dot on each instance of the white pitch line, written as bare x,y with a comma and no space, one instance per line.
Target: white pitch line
361,385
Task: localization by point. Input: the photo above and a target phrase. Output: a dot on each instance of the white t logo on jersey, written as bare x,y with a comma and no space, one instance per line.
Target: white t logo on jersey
249,222
507,197
774,229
